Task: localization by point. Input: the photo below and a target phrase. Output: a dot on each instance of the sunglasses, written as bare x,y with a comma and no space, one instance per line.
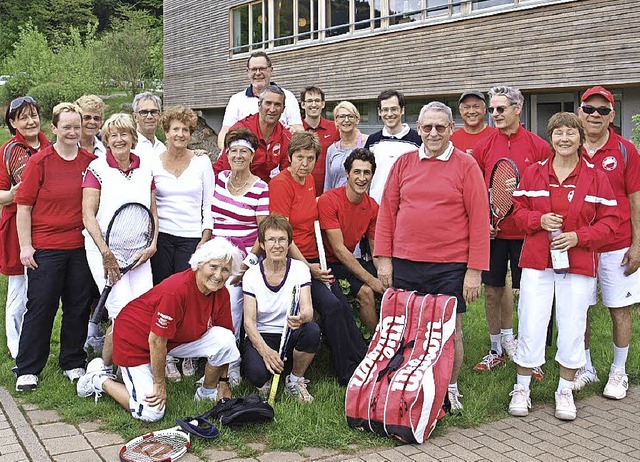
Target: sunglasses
439,128
88,118
498,109
602,110
16,103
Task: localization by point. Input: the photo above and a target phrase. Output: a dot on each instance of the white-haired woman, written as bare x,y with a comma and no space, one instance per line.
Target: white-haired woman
186,315
110,182
347,118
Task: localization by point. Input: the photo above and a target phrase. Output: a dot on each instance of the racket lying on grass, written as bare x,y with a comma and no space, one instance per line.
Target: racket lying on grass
170,444
130,231
503,182
16,156
293,310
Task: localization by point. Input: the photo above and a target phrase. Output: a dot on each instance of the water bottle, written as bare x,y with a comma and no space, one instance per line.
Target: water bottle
559,258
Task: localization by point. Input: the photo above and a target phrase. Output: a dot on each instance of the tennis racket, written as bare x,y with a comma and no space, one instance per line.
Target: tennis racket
293,310
161,446
130,231
321,255
16,156
503,182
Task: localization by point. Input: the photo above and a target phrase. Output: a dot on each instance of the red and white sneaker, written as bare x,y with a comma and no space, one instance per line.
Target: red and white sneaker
490,361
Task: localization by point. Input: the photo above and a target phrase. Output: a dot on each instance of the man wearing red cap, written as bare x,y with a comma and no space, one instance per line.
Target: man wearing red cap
619,261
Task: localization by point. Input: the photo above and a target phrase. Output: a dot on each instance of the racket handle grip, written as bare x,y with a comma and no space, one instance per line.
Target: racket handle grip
97,313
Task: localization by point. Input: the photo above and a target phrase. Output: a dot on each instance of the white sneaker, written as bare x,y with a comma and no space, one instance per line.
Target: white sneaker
171,371
520,401
234,376
454,399
584,377
565,407
74,374
509,347
189,366
91,382
27,382
617,385
298,390
205,394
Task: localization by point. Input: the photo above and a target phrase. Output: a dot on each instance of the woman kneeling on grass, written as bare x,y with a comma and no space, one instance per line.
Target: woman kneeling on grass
187,315
563,204
267,297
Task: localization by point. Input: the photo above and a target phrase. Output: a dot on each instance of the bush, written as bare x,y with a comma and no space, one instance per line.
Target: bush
636,130
18,85
48,95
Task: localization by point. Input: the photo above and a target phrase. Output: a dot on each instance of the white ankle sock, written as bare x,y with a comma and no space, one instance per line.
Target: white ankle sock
294,378
620,356
562,383
524,380
453,386
495,343
507,334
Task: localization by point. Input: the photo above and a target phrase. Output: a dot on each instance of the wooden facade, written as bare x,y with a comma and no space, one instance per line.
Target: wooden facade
564,46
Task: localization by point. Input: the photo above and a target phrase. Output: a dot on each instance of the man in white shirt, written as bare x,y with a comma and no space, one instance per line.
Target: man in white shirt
146,112
245,102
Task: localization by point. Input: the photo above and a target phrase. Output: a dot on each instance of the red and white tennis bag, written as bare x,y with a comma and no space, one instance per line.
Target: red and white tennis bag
400,386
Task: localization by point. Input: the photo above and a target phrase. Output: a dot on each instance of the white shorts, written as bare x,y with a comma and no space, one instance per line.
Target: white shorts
572,293
133,284
217,344
617,289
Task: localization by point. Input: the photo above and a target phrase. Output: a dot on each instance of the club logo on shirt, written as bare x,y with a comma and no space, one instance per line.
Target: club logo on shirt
609,163
163,320
570,195
276,149
327,136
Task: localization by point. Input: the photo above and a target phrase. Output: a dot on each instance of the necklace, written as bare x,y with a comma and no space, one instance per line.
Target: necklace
238,188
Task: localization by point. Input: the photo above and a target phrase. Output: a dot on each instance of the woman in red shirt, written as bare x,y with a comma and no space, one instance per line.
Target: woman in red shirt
292,195
23,120
49,222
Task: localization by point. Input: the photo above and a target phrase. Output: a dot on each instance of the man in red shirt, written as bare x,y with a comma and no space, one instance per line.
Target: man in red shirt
432,233
618,273
312,101
473,109
273,138
513,141
187,315
346,214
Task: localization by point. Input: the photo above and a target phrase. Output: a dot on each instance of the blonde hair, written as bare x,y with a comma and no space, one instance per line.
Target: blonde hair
64,107
91,103
349,106
181,114
120,121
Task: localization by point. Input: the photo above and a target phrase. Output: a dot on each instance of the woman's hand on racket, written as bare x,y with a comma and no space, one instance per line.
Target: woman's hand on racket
294,322
13,191
565,241
145,255
551,221
493,231
158,398
111,267
272,361
26,257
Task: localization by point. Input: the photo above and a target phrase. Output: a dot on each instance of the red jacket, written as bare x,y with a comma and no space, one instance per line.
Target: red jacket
593,215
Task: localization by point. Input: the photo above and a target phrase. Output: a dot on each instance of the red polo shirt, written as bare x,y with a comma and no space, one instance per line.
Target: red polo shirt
327,134
270,157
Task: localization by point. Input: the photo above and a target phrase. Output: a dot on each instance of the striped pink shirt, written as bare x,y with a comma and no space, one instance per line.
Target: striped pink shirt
235,216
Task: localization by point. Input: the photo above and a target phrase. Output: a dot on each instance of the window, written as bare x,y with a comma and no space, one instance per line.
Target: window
303,21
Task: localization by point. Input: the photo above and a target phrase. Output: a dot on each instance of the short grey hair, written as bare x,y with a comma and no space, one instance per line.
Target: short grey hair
436,106
273,89
144,97
217,248
511,93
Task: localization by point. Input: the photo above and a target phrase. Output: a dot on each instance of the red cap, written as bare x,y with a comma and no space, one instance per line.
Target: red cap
597,90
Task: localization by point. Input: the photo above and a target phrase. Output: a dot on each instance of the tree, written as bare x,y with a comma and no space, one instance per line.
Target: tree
636,130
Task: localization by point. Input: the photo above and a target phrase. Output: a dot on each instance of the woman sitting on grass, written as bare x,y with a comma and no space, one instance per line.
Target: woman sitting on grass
268,290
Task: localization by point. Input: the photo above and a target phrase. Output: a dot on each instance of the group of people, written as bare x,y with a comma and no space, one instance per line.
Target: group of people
404,208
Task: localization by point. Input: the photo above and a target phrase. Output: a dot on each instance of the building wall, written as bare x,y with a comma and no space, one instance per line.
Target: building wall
567,46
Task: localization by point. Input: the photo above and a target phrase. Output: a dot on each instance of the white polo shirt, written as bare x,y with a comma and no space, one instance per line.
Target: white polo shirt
146,149
245,103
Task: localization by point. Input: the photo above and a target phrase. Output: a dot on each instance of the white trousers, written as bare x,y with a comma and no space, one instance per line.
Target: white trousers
217,344
133,284
572,292
16,307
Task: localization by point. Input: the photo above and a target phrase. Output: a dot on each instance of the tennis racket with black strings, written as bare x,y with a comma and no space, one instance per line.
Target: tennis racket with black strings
16,156
293,310
130,231
503,182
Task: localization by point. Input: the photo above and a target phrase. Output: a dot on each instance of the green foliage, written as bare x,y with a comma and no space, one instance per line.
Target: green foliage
48,95
636,130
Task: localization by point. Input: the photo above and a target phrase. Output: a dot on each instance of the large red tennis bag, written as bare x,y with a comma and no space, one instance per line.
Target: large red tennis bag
400,386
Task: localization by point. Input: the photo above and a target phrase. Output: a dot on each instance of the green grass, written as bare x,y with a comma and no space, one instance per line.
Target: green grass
321,424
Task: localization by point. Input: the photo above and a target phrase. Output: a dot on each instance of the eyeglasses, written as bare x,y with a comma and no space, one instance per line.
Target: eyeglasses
145,112
313,101
439,128
602,110
254,70
346,117
389,110
284,241
89,118
16,103
499,109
